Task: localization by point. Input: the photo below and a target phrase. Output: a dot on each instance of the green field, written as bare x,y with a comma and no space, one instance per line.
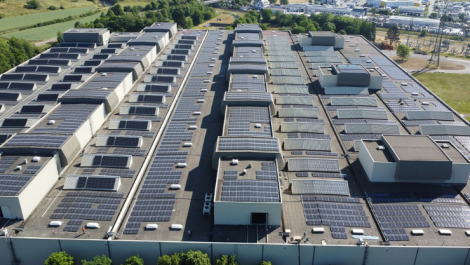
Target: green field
14,8
23,21
47,32
452,88
134,3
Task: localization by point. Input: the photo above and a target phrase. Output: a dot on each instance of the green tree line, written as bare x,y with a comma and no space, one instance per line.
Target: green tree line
303,24
15,51
189,258
121,19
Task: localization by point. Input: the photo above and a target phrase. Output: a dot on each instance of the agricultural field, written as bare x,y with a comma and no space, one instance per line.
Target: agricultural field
14,8
47,32
134,3
452,88
7,24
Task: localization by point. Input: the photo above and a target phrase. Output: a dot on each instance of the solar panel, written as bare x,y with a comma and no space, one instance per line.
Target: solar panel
112,161
172,64
4,85
123,141
137,125
11,122
319,186
22,86
47,97
32,109
72,78
60,87
313,164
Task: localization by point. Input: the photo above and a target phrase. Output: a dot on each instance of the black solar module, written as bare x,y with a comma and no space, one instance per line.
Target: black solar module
9,122
47,97
143,110
123,141
21,86
72,78
32,109
4,85
60,87
157,88
9,96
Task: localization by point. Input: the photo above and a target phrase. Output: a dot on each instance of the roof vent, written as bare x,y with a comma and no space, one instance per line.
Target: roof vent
151,227
175,187
380,147
371,70
36,159
445,146
180,164
105,88
55,223
93,225
234,162
414,93
50,122
363,55
255,76
104,74
356,50
347,40
368,61
18,168
193,127
201,100
213,59
417,232
176,227
159,24
25,161
257,125
204,90
425,103
207,81
187,144
254,51
132,49
467,232
357,232
197,113
156,37
318,230
445,232
404,84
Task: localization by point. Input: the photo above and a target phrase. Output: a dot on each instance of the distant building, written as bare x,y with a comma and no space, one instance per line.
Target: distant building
411,10
393,3
261,4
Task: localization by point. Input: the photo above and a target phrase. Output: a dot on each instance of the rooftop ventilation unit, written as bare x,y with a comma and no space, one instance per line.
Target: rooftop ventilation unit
93,225
425,103
176,227
204,90
193,127
51,122
207,81
380,147
197,113
404,84
200,100
357,50
234,162
357,232
363,55
318,230
104,74
255,76
187,144
55,223
415,94
417,232
18,168
445,145
445,232
151,227
181,165
36,159
175,187
257,125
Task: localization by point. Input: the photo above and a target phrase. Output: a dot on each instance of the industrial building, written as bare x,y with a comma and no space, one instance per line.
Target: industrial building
300,149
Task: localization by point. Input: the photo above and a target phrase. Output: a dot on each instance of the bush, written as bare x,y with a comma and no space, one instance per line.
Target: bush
189,258
2,16
98,260
134,260
33,4
59,258
52,8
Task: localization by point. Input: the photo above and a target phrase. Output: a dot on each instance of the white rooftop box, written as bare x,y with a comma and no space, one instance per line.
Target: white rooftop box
175,187
36,159
197,113
318,230
55,223
93,225
181,164
201,100
415,94
417,232
151,226
445,232
425,103
357,232
176,227
204,90
234,162
467,232
187,144
193,127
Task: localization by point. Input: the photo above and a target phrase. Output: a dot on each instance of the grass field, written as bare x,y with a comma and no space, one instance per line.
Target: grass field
452,88
23,21
225,16
14,8
134,3
47,32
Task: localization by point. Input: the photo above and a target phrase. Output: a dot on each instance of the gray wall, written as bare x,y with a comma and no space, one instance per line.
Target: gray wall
36,250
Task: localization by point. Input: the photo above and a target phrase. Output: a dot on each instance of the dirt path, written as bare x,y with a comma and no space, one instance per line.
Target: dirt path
44,42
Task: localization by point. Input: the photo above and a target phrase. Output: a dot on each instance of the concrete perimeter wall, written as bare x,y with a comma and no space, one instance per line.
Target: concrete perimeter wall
36,250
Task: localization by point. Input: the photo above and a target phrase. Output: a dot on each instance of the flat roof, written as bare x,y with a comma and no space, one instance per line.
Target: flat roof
415,148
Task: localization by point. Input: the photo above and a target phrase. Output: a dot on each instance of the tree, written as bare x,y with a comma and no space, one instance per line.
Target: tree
373,11
189,258
178,17
33,4
98,260
60,38
423,33
328,26
265,263
284,2
267,14
384,12
433,15
403,51
134,260
59,258
197,17
393,35
462,17
225,260
272,2
117,9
